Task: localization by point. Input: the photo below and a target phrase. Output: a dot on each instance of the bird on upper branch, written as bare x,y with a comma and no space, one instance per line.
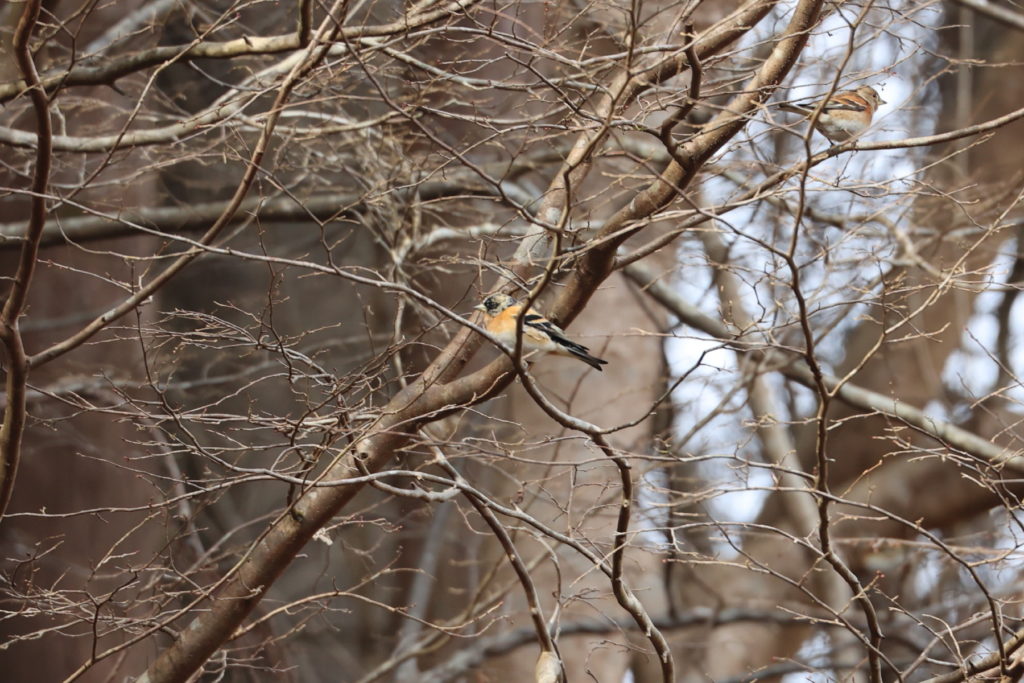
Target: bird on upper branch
845,115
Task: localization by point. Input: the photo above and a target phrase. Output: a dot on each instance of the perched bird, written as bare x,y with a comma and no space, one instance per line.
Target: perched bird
539,333
845,115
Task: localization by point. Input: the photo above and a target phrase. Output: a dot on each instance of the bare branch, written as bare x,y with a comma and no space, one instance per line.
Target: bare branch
16,360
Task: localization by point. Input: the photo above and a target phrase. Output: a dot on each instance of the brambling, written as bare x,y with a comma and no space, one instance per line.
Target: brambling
845,115
539,333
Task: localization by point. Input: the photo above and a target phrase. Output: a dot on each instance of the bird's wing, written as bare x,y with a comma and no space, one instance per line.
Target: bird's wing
841,101
539,325
846,101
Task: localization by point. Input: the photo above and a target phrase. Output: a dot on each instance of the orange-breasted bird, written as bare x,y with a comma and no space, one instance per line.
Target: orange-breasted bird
539,333
845,115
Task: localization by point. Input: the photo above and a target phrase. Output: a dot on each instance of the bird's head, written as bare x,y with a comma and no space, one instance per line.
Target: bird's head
871,95
495,304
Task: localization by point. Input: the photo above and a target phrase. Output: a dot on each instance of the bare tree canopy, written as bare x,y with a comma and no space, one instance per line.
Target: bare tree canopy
465,341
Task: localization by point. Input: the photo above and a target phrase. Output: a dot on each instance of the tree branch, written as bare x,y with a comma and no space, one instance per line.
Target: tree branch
858,397
426,398
17,363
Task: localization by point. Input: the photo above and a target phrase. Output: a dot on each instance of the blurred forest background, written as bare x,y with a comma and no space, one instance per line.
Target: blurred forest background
251,431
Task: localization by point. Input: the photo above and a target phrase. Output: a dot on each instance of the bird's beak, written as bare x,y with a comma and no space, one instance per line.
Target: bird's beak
480,307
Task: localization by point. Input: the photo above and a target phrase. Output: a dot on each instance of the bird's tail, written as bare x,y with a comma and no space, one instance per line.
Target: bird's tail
571,348
592,361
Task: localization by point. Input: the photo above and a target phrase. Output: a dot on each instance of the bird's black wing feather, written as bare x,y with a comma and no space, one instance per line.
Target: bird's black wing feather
553,331
556,334
838,104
